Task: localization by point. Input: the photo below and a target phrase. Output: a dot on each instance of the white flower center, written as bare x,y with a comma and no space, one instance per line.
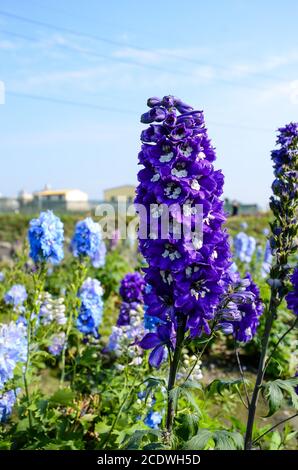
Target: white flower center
166,158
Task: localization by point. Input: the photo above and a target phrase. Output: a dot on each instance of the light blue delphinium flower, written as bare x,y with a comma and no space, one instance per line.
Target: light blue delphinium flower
268,257
250,248
16,296
57,344
87,241
91,310
7,401
46,238
13,349
2,276
153,419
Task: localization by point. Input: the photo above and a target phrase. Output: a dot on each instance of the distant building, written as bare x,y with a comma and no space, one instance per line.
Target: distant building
63,199
24,198
125,193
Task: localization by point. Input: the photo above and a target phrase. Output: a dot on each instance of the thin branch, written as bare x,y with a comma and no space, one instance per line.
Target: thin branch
200,354
275,426
242,375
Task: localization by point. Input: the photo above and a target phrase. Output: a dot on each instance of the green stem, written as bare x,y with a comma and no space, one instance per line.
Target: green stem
80,274
275,426
27,364
173,372
261,370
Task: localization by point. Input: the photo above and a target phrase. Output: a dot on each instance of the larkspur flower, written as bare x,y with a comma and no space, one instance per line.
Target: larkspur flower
52,310
153,419
57,343
2,276
268,257
292,296
7,401
131,290
241,308
13,349
184,272
46,238
87,241
159,341
16,296
244,247
91,310
132,287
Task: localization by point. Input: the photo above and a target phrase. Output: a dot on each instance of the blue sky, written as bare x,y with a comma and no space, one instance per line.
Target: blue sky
235,59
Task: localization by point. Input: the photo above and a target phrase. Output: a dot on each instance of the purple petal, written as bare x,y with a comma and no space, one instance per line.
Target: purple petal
156,356
149,341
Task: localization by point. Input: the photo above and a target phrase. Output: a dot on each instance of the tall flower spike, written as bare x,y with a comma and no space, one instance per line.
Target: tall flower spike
46,238
184,272
87,241
90,315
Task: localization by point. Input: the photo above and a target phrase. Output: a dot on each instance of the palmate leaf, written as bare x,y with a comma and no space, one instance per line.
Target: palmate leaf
134,442
218,385
220,440
225,440
65,397
274,392
199,441
186,391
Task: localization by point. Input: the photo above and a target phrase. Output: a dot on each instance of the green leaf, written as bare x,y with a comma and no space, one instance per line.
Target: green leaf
274,393
134,441
102,428
218,385
64,397
199,441
225,440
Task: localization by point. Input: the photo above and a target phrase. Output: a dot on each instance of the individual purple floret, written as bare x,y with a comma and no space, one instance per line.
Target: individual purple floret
292,297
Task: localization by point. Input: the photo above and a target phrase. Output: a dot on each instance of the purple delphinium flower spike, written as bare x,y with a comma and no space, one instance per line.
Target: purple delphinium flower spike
184,273
131,290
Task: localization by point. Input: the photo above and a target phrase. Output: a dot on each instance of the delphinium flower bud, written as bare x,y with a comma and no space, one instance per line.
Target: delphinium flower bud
87,242
284,201
57,343
91,310
184,272
2,276
16,296
292,296
46,238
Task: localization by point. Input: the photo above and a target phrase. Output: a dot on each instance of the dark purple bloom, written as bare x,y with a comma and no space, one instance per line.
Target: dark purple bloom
292,297
158,342
185,272
241,308
131,290
132,287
